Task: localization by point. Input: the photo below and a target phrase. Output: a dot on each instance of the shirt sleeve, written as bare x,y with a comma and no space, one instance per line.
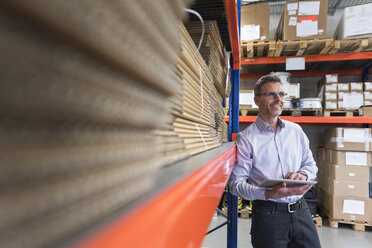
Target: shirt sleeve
241,171
308,165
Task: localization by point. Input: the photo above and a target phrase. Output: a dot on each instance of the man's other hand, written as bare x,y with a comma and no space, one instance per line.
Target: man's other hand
281,190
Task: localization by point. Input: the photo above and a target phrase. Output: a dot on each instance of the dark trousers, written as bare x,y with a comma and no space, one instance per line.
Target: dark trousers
273,226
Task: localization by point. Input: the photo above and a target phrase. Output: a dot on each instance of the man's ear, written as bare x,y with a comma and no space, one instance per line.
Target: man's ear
256,100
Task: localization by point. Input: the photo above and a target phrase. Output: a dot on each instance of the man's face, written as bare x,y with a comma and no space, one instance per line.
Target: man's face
269,101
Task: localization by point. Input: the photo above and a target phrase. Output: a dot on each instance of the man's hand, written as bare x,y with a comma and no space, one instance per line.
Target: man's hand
295,176
281,190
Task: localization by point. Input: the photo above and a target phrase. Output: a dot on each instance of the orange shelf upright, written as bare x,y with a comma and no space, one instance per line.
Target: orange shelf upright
177,217
309,58
313,120
232,20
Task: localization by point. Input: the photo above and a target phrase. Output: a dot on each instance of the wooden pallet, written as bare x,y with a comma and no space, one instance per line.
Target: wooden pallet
256,49
347,113
357,226
245,213
249,112
318,221
302,112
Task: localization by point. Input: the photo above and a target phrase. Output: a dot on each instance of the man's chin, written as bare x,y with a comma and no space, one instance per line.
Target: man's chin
276,112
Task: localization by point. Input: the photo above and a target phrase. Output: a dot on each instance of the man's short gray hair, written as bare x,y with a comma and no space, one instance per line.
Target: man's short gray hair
272,77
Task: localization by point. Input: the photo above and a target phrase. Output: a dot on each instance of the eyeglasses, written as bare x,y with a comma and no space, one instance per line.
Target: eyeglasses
273,95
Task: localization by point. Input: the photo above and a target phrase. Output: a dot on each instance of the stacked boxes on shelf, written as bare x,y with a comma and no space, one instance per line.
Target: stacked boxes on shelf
329,84
344,174
342,96
367,93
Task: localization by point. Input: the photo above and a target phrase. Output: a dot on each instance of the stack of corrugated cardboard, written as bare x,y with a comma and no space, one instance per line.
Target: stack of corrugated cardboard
212,52
199,119
84,85
344,174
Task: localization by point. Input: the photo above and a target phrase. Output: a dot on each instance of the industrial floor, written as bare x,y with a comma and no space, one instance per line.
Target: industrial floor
342,237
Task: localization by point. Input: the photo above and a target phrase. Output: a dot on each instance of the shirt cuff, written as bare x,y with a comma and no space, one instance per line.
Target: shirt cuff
259,194
305,173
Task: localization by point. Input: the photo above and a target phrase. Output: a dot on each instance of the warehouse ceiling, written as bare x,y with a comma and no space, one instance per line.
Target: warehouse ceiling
276,7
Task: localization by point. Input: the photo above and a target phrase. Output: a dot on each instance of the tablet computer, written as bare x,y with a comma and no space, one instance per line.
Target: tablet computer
271,182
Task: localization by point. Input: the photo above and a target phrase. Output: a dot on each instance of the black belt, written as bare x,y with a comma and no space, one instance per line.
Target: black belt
290,207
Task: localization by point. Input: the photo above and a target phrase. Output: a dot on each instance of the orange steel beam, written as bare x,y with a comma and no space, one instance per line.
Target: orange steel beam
232,20
177,217
310,58
312,119
308,73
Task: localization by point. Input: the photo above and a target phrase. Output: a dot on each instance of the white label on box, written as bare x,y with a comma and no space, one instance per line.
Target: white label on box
250,32
294,90
354,135
340,95
367,95
320,31
358,20
306,28
351,186
343,86
367,86
356,158
351,174
340,104
292,21
353,101
330,78
331,96
353,207
263,37
331,87
309,8
331,105
246,98
356,86
292,6
292,12
295,63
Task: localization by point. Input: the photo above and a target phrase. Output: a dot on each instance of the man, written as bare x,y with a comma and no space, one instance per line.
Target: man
275,148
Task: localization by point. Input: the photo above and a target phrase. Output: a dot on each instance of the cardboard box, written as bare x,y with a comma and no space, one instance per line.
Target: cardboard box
353,100
329,96
367,96
365,110
255,22
246,99
345,87
340,95
321,154
330,87
350,173
349,157
349,188
293,90
303,20
367,86
327,79
348,139
356,86
330,105
346,207
355,23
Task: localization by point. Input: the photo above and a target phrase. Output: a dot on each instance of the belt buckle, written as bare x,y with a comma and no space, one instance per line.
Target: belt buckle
289,207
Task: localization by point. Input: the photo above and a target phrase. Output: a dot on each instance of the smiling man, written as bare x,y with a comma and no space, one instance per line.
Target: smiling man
275,148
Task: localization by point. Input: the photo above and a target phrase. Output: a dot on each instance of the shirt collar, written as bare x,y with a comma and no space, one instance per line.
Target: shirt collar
262,125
